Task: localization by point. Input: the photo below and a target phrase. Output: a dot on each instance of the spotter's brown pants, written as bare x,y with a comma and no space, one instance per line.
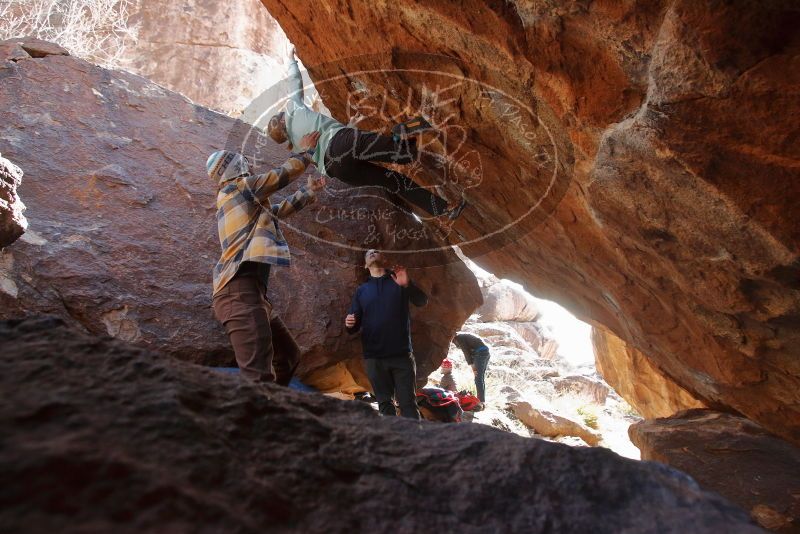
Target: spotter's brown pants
265,349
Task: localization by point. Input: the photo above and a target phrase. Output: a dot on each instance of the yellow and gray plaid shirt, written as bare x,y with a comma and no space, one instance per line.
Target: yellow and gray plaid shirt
247,220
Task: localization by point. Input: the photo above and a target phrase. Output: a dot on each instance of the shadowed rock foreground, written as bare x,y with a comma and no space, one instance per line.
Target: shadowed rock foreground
101,436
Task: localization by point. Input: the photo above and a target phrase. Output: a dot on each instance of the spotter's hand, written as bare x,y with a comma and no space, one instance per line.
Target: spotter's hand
308,141
350,320
316,183
400,276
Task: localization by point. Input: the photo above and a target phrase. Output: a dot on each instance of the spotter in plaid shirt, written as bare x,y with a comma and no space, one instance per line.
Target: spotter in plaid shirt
246,219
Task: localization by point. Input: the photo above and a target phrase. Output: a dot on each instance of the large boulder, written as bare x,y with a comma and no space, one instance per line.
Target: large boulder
589,388
637,162
551,424
503,301
12,219
637,380
102,436
123,235
27,47
538,337
732,456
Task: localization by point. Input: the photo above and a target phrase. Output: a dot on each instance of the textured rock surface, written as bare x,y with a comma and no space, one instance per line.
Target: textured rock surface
637,380
676,122
12,218
732,456
123,236
220,55
25,47
583,386
551,424
103,437
498,334
538,336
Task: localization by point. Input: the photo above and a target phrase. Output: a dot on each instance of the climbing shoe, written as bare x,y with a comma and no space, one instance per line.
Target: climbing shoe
415,125
454,213
365,397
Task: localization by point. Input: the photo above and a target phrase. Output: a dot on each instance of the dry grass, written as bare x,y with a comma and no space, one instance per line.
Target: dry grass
588,415
95,30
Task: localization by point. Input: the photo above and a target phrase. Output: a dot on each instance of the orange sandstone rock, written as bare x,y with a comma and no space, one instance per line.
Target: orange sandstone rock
668,131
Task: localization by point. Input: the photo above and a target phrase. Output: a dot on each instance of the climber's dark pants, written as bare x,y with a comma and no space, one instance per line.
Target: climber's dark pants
265,349
480,360
394,377
348,159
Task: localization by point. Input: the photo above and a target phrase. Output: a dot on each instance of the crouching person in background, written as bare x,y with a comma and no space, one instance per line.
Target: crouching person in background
477,355
252,243
380,311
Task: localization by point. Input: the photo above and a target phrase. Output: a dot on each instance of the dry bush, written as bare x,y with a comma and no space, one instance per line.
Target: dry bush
589,416
96,30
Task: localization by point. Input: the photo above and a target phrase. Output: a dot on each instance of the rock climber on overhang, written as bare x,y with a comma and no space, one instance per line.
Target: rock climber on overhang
350,154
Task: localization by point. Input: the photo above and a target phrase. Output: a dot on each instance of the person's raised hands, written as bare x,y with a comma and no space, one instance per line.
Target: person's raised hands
400,275
316,183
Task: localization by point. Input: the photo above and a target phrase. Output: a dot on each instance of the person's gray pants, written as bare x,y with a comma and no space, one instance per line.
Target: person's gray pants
394,377
480,360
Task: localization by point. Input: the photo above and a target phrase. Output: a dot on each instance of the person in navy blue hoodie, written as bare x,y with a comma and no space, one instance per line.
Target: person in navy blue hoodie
380,311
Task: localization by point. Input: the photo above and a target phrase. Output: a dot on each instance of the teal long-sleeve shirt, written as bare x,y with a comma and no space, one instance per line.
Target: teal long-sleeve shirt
302,120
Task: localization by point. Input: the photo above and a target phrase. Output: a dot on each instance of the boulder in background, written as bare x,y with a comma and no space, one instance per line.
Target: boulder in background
12,218
551,424
732,456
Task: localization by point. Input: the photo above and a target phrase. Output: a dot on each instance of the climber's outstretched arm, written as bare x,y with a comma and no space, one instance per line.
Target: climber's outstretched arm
303,197
295,80
261,186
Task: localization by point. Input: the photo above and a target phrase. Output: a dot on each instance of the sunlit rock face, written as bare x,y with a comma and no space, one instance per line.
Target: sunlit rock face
637,380
504,302
656,143
220,55
123,236
12,219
